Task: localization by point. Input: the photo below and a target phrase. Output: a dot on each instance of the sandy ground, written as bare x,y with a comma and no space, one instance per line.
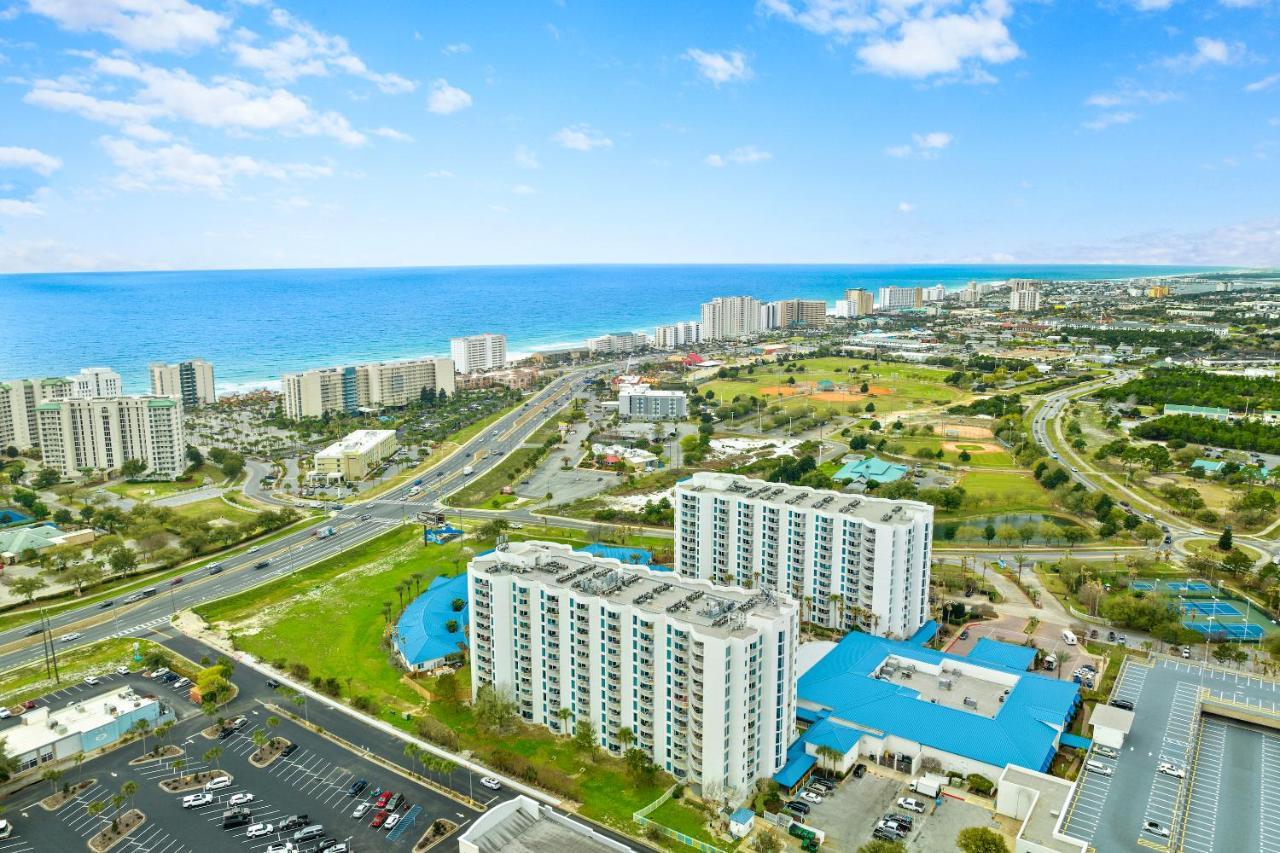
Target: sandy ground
722,447
962,431
837,396
635,503
974,449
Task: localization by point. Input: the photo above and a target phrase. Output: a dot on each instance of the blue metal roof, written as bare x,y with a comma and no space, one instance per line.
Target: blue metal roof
742,815
1022,732
872,469
925,633
988,650
421,634
798,763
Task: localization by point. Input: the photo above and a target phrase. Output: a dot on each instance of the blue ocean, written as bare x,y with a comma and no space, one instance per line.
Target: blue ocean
255,325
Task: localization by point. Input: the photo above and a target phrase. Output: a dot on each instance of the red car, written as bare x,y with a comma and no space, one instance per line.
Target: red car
379,818
383,799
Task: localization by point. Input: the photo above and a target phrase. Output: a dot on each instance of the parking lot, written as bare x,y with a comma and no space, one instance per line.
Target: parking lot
1010,629
1229,796
314,781
850,813
76,691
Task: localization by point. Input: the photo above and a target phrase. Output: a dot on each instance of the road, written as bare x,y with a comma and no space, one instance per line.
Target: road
355,524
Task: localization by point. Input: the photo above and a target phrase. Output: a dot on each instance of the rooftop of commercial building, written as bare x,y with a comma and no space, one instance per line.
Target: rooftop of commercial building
717,610
880,510
871,468
42,726
846,686
642,389
524,826
360,441
1053,796
422,634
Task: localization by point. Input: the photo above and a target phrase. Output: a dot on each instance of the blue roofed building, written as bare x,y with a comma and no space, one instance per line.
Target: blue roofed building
863,470
423,639
897,703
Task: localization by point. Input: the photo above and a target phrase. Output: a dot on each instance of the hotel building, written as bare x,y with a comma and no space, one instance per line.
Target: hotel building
618,342
702,675
854,560
731,318
892,297
794,313
312,393
355,455
641,403
103,433
95,382
678,335
857,302
1024,295
477,353
189,381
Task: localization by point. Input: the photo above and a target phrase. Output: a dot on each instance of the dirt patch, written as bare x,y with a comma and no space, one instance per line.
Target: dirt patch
784,390
53,802
169,751
439,830
264,755
962,431
971,449
115,832
192,781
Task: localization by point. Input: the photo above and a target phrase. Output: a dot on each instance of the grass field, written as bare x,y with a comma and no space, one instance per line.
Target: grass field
901,386
149,491
330,618
31,681
982,454
1002,492
213,510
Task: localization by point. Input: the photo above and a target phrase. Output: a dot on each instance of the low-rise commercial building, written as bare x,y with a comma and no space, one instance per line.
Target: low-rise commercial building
354,456
702,675
189,381
642,403
523,825
44,735
1213,413
1040,802
102,434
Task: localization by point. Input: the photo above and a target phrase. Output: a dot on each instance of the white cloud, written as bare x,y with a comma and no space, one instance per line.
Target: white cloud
28,158
523,189
445,99
140,24
925,146
1105,120
582,137
307,52
1152,5
227,103
456,48
1264,84
18,208
912,38
1130,93
742,156
179,167
1208,51
393,134
906,207
526,158
720,68
1254,243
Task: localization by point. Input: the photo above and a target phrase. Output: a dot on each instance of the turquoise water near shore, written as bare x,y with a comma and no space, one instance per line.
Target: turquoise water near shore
255,325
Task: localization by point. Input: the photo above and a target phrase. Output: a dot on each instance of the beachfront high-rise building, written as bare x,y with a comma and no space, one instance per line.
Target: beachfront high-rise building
897,298
857,561
103,433
312,393
937,293
478,353
794,313
731,318
617,342
18,410
861,302
189,381
1024,295
702,675
678,335
95,382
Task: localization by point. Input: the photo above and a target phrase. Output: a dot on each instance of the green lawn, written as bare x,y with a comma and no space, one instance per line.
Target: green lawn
982,454
1002,492
213,509
486,490
31,681
149,491
907,385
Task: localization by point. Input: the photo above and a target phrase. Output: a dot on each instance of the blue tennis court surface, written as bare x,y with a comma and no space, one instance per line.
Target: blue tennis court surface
1145,586
1211,608
1193,586
1239,631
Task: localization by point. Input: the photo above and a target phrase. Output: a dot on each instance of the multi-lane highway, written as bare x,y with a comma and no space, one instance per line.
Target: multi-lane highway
356,523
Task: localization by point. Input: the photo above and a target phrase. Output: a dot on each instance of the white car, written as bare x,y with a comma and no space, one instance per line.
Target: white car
1155,829
92,680
5,714
122,670
911,805
191,801
810,796
240,799
361,810
255,549
259,829
67,638
391,821
1106,751
220,782
491,783
280,848
1172,770
6,829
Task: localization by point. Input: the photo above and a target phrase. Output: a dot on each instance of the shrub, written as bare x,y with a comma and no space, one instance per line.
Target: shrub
431,729
980,784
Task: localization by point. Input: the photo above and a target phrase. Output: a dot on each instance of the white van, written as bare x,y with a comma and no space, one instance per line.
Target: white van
1068,638
1097,767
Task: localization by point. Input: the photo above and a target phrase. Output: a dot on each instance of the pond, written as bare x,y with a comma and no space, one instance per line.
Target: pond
946,531
12,516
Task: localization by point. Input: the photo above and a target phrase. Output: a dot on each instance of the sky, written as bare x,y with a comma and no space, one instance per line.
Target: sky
199,134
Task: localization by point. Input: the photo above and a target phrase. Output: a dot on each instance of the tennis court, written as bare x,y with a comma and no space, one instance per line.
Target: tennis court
1231,631
1211,608
1192,586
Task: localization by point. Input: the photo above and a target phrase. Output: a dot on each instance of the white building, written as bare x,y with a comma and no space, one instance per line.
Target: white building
1024,295
312,393
937,293
731,318
190,381
523,825
973,292
793,313
892,298
103,433
618,342
702,675
18,401
642,403
356,454
855,560
860,301
95,382
478,353
47,736
678,335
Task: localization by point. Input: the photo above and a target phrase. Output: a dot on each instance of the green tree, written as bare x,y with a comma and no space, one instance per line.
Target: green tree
1224,541
122,560
584,737
129,789
46,478
26,587
981,839
879,845
53,776
133,468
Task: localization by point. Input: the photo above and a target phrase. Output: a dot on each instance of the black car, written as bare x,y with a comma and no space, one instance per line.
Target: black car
293,822
1122,704
884,834
105,604
262,564
797,806
356,787
213,570
859,771
33,632
272,683
289,750
900,819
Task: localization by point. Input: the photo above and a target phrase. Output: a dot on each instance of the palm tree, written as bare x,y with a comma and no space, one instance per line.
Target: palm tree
178,765
142,728
260,738
129,789
411,752
827,756
626,737
162,731
95,808
300,701
52,776
214,754
272,722
446,767
564,714
117,800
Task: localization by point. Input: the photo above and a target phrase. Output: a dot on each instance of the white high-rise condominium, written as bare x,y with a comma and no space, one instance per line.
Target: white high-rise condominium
189,381
18,401
892,297
478,353
702,675
731,318
312,393
677,335
618,342
857,302
1024,295
937,293
793,313
103,433
95,382
854,560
